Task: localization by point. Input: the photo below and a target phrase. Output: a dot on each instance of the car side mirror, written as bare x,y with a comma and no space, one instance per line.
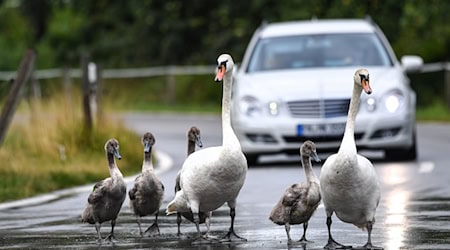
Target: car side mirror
412,63
236,68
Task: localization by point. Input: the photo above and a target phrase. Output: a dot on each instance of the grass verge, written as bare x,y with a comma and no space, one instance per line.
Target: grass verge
435,112
47,149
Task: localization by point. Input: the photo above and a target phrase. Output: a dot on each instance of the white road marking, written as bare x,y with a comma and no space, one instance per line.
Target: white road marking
426,167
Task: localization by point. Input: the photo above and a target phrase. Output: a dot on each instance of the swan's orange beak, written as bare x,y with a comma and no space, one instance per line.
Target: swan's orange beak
220,73
366,86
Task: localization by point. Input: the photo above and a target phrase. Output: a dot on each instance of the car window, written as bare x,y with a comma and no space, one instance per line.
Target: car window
323,50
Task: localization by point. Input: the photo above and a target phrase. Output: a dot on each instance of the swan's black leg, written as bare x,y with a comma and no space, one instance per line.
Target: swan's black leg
138,220
208,225
111,235
369,245
97,227
231,234
201,239
154,228
303,239
287,227
332,244
178,224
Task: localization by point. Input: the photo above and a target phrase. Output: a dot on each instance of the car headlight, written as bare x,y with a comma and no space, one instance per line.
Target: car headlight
371,104
250,106
393,101
274,108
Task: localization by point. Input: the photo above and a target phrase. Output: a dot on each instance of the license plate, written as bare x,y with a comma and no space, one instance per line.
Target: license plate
321,129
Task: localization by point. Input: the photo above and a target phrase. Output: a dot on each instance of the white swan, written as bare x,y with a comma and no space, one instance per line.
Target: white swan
215,175
348,181
107,197
193,136
146,196
301,200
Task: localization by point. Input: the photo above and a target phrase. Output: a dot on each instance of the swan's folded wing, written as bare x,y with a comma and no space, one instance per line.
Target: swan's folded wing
132,193
177,182
292,195
97,192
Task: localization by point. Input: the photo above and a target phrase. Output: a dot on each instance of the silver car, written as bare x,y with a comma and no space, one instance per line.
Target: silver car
295,83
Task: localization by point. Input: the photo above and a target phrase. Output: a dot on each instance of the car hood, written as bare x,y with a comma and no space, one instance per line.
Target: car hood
328,83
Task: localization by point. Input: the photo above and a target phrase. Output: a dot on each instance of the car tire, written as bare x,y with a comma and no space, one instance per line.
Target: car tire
403,154
252,159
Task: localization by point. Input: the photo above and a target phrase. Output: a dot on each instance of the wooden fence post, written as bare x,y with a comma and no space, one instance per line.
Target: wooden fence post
15,94
86,89
447,84
34,96
98,94
170,87
67,84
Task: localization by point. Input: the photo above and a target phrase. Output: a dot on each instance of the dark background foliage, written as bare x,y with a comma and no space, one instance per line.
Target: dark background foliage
159,32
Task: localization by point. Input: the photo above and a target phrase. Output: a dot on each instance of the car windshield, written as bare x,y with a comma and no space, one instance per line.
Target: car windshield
320,50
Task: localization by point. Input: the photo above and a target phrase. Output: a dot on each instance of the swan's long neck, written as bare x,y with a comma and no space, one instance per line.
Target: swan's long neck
113,169
190,147
348,144
229,139
307,166
147,165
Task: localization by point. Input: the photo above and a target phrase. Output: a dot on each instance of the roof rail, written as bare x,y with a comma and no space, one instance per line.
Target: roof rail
369,19
263,24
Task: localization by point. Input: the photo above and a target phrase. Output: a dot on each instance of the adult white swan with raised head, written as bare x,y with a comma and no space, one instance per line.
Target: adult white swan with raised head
348,181
215,175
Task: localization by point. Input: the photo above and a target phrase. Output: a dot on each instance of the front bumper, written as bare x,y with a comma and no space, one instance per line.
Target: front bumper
279,135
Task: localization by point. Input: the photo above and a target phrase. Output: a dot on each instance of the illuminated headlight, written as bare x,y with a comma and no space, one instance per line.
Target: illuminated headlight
393,101
371,104
250,106
274,108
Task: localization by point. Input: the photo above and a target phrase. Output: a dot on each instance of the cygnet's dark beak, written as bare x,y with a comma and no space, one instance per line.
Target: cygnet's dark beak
117,154
315,156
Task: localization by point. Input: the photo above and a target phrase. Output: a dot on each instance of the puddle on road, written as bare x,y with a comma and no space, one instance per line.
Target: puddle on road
428,222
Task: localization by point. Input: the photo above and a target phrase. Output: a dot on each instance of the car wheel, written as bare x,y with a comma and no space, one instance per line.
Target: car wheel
403,154
252,159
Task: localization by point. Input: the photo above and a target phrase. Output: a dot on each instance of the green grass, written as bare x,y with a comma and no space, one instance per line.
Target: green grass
434,112
50,150
190,94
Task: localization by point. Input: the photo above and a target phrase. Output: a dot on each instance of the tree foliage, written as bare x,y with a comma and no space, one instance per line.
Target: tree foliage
158,32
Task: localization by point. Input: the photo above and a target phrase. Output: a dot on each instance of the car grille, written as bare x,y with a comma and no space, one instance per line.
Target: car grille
334,138
319,108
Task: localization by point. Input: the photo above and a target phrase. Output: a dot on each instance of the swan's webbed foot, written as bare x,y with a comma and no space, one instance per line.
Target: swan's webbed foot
291,242
111,238
299,242
369,246
332,244
153,229
303,240
100,241
204,239
231,236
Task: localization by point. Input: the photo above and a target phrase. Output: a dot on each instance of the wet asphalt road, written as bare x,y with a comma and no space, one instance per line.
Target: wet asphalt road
414,211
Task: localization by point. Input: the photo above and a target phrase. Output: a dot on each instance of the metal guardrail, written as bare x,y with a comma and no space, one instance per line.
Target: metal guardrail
119,73
162,71
433,67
